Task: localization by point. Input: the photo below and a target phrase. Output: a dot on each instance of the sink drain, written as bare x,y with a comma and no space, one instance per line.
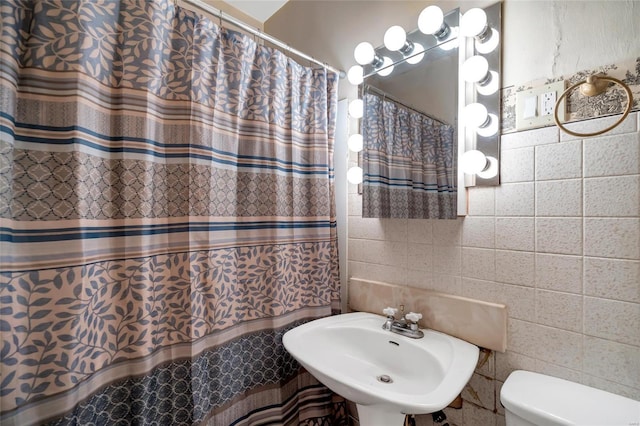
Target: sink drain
384,379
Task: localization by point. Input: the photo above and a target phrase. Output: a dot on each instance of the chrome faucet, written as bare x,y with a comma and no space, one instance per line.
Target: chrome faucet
405,326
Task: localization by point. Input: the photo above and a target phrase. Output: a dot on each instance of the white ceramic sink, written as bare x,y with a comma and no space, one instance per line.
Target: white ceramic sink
350,354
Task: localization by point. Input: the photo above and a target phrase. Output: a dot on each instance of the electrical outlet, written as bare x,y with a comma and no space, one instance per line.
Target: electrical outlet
546,95
548,102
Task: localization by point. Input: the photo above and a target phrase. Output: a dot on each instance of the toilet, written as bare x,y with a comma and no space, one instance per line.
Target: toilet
532,399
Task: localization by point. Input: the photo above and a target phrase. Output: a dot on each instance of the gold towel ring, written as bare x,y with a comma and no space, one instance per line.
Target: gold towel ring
594,86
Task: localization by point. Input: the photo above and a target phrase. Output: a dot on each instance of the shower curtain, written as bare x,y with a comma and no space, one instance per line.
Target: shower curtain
408,162
167,213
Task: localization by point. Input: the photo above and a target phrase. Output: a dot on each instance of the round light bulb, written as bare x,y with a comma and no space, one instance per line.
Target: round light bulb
473,22
473,161
430,20
475,69
354,175
475,115
489,129
395,38
491,170
386,68
364,53
355,75
417,47
356,108
491,86
355,142
490,44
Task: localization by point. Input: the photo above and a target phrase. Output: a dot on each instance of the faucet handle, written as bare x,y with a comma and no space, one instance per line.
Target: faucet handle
389,311
413,317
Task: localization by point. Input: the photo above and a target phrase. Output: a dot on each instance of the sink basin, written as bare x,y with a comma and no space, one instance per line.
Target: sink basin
387,375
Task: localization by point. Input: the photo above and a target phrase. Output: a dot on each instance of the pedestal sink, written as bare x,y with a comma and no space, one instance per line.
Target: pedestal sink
387,375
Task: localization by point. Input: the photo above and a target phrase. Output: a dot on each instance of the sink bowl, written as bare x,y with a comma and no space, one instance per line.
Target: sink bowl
387,375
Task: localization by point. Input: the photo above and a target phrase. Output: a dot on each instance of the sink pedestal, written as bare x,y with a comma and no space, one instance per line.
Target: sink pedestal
379,415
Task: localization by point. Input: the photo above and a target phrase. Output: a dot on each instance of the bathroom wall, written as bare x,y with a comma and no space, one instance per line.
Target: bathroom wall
558,241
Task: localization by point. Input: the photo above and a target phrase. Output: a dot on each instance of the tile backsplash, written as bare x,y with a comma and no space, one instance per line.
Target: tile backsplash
558,242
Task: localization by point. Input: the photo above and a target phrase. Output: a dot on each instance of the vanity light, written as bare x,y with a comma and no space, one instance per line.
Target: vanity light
417,47
395,38
475,162
491,170
354,175
474,24
490,87
476,70
355,75
364,53
386,67
490,128
475,115
355,142
356,108
431,21
489,44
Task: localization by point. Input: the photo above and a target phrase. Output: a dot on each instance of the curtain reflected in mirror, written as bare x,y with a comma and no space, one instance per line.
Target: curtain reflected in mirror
408,161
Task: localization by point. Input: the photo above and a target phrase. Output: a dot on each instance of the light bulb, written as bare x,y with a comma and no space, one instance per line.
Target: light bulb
356,108
473,22
489,44
364,53
395,38
491,86
430,20
473,161
491,170
355,75
355,142
450,44
354,175
417,47
386,68
475,115
489,129
475,69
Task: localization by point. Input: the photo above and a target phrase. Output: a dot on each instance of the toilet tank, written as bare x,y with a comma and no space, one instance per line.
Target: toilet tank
535,399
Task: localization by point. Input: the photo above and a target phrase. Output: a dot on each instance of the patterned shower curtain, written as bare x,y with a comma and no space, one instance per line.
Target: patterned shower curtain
167,213
408,162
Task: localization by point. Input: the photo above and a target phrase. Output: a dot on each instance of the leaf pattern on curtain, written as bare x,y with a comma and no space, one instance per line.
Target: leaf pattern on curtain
408,162
166,194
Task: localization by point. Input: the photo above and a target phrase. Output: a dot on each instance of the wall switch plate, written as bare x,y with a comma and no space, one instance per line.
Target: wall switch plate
546,95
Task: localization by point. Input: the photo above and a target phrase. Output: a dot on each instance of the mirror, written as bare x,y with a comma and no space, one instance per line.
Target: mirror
459,70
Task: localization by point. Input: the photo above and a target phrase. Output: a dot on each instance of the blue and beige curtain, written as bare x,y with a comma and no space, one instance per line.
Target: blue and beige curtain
408,162
166,214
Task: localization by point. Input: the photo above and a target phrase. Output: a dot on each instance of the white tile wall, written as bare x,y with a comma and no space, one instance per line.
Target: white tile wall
558,242
515,199
559,198
612,155
515,267
515,233
559,161
559,235
612,196
559,272
612,279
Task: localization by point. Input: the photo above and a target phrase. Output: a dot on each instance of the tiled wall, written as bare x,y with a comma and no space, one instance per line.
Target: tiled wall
558,242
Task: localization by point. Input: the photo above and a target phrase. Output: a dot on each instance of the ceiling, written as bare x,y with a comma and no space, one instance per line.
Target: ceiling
260,10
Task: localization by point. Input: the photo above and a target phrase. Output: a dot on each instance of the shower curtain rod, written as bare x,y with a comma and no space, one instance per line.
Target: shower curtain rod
256,32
